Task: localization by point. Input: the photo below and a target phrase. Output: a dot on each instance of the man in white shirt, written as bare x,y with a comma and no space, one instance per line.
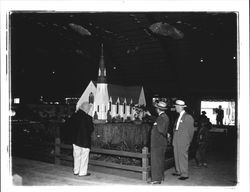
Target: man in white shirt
182,137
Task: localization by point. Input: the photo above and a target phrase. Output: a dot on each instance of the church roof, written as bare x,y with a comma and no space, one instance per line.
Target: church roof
124,92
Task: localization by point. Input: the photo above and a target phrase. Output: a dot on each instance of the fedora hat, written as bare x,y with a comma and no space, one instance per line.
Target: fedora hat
161,105
180,103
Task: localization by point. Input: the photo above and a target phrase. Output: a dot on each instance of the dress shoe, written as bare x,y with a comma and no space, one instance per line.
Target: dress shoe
176,174
183,178
75,174
154,182
88,174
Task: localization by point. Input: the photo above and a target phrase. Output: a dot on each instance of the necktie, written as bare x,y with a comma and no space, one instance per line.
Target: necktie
178,122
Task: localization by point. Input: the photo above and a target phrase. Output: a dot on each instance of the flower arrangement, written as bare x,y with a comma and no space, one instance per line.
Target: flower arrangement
139,113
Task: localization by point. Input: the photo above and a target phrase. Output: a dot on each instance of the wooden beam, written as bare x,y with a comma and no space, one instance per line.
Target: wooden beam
118,166
110,152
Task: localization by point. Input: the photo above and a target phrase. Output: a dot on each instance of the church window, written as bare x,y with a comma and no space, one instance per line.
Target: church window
105,108
110,105
97,108
124,108
91,98
117,108
99,72
130,109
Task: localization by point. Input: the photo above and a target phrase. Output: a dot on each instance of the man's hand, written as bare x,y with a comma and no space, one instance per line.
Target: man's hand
148,113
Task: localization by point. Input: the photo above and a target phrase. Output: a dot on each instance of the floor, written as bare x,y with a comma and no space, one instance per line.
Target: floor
221,171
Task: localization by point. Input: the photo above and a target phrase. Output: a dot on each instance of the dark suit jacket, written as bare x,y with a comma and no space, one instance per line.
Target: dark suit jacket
159,131
184,135
81,126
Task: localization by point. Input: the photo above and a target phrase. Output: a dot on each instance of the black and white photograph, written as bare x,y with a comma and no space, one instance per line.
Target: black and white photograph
130,96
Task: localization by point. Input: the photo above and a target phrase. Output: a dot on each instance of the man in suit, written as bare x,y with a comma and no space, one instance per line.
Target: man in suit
81,125
220,115
183,135
159,143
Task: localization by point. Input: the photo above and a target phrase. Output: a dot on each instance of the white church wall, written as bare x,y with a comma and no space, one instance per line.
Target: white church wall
101,110
113,110
121,110
85,96
101,100
128,111
133,114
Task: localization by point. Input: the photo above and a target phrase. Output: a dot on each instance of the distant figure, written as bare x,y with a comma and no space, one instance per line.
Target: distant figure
202,140
183,135
220,116
202,117
158,144
82,127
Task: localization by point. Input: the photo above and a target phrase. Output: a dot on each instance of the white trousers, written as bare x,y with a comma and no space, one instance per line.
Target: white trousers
81,160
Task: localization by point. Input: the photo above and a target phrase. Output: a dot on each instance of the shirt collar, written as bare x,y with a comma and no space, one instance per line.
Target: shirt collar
161,113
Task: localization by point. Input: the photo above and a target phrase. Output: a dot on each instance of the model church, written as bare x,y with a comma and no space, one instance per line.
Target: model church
109,98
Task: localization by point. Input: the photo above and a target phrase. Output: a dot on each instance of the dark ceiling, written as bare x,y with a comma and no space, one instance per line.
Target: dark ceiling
57,54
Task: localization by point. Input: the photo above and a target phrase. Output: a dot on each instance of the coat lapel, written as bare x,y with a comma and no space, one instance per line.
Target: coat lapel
181,121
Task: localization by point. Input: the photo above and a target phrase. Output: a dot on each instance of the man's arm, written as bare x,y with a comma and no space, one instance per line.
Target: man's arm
190,126
162,124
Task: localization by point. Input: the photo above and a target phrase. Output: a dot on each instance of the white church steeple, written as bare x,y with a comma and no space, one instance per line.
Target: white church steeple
107,97
102,70
101,104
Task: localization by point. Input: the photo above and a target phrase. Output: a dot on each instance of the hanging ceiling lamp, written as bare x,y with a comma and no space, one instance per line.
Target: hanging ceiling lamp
79,29
165,29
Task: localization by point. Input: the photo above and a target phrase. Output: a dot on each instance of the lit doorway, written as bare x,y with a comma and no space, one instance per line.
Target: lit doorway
210,107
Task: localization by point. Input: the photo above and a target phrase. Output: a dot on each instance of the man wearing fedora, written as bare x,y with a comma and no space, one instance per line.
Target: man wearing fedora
182,137
158,144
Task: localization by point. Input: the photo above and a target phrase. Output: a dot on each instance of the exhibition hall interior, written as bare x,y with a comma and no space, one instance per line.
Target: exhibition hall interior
126,65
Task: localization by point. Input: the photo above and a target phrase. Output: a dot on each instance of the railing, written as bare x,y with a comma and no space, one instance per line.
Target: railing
144,169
